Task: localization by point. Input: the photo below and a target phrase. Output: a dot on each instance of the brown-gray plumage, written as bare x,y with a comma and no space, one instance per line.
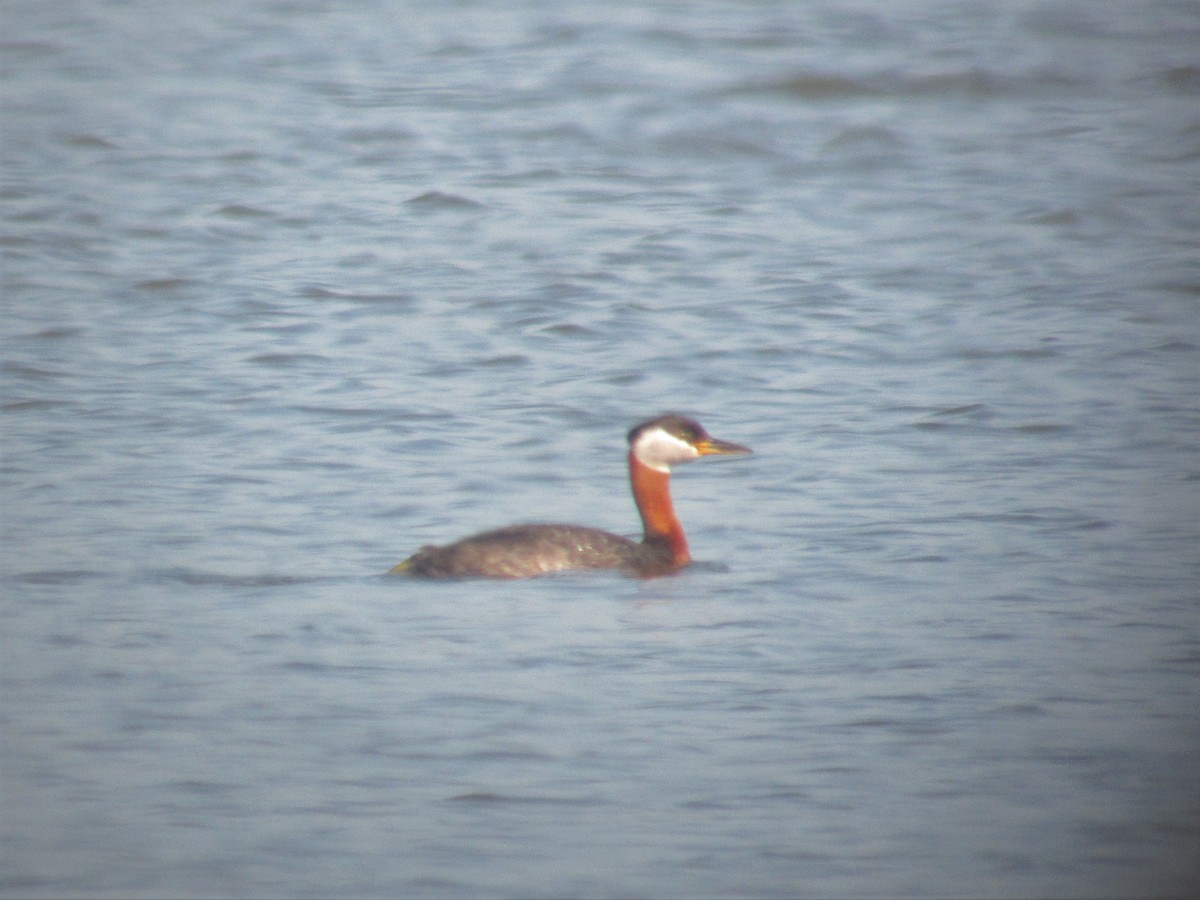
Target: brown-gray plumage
523,551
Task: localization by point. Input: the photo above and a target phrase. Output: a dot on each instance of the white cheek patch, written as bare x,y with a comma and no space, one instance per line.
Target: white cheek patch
661,450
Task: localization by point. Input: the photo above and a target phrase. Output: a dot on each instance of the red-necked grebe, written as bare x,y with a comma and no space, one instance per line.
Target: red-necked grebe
523,551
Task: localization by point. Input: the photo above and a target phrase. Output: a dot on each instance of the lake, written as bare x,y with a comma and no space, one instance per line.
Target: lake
291,289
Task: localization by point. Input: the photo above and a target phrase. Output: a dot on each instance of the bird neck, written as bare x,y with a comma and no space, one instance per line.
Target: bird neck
652,494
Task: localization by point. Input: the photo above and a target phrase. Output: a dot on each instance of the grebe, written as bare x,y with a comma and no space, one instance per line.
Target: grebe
524,551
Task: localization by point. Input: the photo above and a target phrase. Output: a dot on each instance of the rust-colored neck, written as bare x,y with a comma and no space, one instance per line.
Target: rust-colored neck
652,494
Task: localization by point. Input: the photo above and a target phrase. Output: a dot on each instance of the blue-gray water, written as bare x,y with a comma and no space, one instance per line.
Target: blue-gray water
292,288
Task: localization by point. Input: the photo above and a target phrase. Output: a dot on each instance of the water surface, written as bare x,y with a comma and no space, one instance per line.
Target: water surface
292,289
